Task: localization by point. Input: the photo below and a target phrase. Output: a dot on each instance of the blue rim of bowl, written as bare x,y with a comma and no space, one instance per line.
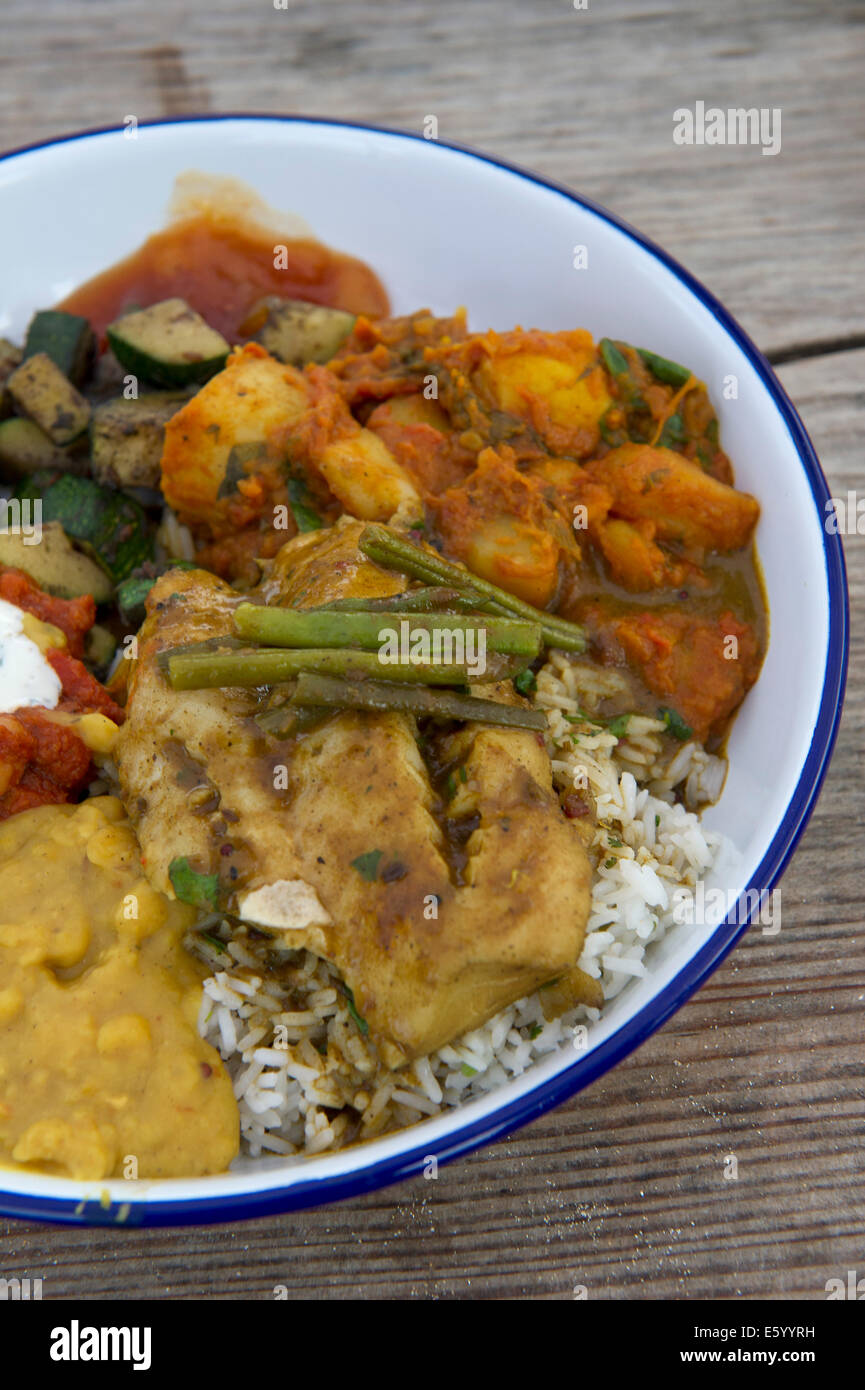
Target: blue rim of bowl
475,1134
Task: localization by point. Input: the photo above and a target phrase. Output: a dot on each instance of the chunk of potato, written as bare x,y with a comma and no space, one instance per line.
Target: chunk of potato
635,561
685,504
414,410
552,382
363,474
239,418
572,388
516,556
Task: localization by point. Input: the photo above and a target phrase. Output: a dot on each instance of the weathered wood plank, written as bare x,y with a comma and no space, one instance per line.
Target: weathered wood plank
586,97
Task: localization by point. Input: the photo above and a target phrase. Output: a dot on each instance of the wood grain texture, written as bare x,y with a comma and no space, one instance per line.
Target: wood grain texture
622,1190
586,97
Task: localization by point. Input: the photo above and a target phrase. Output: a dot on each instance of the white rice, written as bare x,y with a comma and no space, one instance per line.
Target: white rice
174,540
307,1080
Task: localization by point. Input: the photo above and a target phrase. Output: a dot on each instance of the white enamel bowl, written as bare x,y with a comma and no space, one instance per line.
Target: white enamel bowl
443,227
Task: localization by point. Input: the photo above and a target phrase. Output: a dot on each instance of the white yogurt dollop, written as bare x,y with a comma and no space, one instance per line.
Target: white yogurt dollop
26,677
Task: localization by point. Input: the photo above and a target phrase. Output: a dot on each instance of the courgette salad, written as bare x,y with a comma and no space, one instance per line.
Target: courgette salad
82,435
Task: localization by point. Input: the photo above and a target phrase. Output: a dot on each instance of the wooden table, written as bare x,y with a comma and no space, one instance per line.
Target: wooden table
622,1189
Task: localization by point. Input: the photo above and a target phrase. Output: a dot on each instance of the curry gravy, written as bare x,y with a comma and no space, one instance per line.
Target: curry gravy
100,1059
221,268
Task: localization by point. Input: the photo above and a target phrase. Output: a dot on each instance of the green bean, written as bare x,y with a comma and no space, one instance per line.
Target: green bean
293,627
210,644
320,691
260,666
428,600
392,551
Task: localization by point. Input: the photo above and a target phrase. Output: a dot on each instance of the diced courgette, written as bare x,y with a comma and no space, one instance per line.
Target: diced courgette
55,564
40,391
132,593
168,344
66,338
126,438
25,449
108,524
298,332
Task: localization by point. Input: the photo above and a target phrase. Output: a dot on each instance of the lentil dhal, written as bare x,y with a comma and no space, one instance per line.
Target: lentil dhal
100,1060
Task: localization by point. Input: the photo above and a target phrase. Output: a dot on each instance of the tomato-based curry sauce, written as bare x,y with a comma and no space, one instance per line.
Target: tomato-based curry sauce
221,268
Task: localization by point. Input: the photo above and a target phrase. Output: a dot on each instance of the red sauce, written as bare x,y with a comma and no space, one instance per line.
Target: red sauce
57,762
221,269
43,762
74,616
81,691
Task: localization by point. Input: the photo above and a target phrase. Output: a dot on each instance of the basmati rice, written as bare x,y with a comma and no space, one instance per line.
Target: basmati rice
306,1078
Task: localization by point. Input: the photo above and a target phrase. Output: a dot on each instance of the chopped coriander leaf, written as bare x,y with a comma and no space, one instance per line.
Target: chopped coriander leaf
299,499
467,1070
673,433
352,1008
464,777
525,682
305,518
615,361
614,842
191,887
535,1031
581,717
657,821
618,727
235,468
367,864
609,863
675,724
